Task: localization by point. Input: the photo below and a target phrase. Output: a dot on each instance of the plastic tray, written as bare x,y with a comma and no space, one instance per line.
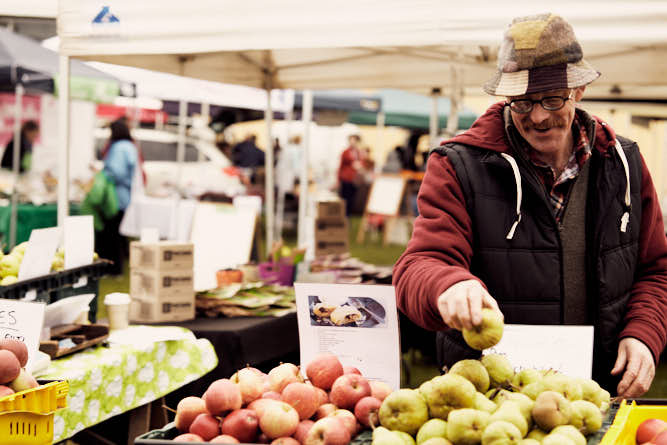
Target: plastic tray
26,417
630,414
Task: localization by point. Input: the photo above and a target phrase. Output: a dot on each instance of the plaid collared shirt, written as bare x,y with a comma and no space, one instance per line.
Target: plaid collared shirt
559,188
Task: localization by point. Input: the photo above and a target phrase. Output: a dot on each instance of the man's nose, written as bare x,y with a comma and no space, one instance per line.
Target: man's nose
538,114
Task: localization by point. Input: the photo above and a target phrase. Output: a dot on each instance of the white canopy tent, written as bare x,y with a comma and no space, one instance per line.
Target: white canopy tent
418,45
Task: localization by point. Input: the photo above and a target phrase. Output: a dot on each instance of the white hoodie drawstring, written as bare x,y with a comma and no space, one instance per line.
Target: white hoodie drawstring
625,219
519,193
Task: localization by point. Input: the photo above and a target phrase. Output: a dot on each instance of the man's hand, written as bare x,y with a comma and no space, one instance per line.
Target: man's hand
637,360
461,305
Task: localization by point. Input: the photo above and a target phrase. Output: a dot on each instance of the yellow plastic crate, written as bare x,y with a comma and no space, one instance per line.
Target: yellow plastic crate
627,420
26,418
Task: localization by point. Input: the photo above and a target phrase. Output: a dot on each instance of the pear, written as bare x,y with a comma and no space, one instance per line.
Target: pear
525,405
570,388
586,417
432,428
557,439
465,426
589,389
405,437
501,432
382,436
474,372
534,389
488,333
445,393
551,410
404,410
536,434
529,442
437,441
500,370
510,411
525,377
571,432
601,398
484,404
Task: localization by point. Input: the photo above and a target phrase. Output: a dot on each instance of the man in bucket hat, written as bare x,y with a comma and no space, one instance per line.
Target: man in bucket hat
542,212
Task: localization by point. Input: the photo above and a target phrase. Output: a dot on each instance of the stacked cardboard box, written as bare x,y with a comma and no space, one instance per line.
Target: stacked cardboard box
331,235
161,281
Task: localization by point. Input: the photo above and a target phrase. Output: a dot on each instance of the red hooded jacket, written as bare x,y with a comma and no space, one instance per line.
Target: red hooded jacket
440,251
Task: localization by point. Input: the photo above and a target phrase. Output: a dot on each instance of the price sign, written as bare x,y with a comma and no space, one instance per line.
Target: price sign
22,320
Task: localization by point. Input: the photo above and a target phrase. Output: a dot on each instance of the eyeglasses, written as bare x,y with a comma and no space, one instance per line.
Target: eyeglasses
549,103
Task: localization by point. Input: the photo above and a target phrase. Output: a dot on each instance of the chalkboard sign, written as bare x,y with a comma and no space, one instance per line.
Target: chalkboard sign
386,195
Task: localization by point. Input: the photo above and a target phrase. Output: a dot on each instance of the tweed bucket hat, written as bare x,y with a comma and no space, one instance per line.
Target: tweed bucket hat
539,53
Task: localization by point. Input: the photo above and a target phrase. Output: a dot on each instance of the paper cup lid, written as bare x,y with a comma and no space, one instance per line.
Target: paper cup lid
117,298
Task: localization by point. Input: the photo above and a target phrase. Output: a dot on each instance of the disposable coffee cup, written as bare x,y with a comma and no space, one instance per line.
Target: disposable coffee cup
118,309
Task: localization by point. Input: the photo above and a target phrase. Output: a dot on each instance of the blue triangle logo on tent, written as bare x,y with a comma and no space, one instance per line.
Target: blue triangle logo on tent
105,16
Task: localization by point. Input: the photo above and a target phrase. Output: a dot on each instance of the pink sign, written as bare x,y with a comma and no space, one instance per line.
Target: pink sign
31,111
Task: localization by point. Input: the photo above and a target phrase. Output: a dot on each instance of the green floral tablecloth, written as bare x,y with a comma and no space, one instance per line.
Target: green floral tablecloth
107,381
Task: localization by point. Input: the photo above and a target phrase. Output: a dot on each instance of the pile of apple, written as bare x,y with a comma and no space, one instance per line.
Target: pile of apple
283,408
11,263
652,432
13,377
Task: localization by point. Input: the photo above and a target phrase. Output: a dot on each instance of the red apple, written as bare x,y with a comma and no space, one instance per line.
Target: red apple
366,411
272,395
5,391
186,411
347,419
285,441
303,398
328,431
660,439
10,368
325,410
348,389
322,396
379,389
648,429
242,424
224,438
302,430
263,439
251,384
188,437
282,375
205,426
278,419
221,396
324,370
351,370
17,347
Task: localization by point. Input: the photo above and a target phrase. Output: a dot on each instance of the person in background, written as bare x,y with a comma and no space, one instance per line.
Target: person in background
121,158
349,172
29,134
394,162
246,154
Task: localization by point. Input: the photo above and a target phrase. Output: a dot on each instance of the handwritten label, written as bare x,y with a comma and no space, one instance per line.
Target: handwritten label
22,320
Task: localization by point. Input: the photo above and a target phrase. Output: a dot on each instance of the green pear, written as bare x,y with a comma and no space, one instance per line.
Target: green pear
529,442
488,333
432,428
557,439
382,436
9,279
525,377
19,249
500,370
448,392
589,389
601,398
10,265
604,407
437,441
537,434
484,404
569,387
534,389
501,432
474,372
405,437
586,417
551,409
510,411
404,410
465,426
57,264
571,432
525,406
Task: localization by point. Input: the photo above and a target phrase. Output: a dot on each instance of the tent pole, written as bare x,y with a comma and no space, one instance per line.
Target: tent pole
180,150
63,145
269,180
280,205
307,116
16,155
433,122
206,117
455,99
379,123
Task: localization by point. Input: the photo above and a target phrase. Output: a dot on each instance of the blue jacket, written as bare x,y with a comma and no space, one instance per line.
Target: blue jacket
119,165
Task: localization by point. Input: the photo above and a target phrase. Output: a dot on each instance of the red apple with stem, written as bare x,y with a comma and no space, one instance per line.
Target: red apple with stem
324,370
242,424
348,389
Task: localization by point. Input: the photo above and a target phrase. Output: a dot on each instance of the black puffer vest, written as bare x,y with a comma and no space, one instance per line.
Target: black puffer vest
525,273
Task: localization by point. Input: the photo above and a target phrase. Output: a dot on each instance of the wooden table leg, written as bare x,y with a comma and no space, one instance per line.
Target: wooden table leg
139,422
158,417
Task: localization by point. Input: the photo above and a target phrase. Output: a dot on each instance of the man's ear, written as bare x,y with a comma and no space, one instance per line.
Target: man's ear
579,93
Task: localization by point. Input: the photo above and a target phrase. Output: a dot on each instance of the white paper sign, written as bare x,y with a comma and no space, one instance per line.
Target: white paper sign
39,254
23,321
356,322
568,349
79,241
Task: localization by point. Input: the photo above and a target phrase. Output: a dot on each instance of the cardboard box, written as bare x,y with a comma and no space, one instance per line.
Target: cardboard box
331,247
330,229
164,309
161,255
151,284
330,209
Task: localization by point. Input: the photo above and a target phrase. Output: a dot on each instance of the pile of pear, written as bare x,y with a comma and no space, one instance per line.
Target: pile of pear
487,402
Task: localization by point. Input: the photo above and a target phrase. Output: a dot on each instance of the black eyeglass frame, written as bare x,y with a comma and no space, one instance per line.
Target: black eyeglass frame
532,102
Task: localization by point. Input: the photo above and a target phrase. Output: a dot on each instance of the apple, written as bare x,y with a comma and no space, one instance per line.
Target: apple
224,438
322,396
324,370
223,395
260,404
188,437
10,368
17,347
242,424
347,419
328,431
351,370
278,419
325,410
648,429
404,410
186,412
348,389
272,395
205,426
282,375
379,389
263,439
302,430
5,391
251,384
366,411
23,382
285,441
302,397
